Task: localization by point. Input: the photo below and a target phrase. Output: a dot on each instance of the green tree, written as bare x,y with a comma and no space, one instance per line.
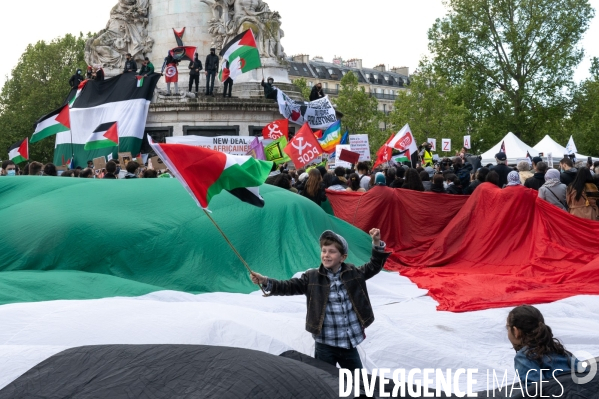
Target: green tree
302,86
360,111
38,84
583,123
514,60
430,108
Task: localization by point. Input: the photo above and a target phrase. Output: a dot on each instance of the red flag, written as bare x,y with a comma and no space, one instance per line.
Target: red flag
276,129
171,74
304,147
182,53
384,153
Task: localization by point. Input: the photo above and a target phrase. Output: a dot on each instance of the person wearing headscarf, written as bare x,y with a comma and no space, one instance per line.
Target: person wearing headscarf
379,179
554,191
513,179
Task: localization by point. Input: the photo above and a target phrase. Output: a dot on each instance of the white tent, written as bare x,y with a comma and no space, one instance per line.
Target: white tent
515,150
548,145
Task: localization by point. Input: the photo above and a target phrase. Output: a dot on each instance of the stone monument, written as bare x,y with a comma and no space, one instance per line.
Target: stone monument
147,28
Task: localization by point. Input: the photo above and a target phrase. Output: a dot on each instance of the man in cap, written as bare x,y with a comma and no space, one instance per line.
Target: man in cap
338,305
211,66
501,168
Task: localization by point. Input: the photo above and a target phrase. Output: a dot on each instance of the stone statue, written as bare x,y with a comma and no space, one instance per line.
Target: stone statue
231,17
125,33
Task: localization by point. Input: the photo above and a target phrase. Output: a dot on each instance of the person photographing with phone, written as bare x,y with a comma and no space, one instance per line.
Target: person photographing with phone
339,309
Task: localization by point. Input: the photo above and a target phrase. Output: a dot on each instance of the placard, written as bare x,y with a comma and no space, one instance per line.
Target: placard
99,163
433,143
359,143
124,159
550,159
467,142
156,164
339,162
349,156
446,145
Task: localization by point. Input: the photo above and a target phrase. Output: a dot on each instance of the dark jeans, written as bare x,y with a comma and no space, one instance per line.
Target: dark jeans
347,358
194,79
210,81
229,86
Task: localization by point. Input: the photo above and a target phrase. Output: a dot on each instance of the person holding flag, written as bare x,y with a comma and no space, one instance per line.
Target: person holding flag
170,73
228,82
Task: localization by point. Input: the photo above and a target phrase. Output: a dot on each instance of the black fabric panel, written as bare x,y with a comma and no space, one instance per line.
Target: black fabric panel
122,87
170,371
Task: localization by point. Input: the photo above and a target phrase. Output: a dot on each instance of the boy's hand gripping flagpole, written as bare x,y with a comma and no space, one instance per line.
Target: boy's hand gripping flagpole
232,247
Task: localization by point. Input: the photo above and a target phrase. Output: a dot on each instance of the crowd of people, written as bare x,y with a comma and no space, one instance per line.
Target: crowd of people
132,170
573,188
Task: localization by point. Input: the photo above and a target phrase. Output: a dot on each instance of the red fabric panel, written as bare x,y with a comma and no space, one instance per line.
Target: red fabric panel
493,249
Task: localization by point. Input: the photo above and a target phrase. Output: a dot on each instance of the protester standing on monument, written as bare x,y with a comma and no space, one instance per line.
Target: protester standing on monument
195,67
228,83
171,74
211,65
339,309
316,93
147,68
130,64
99,74
270,91
76,79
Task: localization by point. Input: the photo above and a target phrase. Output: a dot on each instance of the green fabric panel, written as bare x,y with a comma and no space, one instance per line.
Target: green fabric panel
253,171
63,151
130,237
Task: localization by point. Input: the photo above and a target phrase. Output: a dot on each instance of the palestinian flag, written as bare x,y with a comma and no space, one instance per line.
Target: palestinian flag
119,100
140,80
19,151
71,322
105,136
242,56
204,173
55,122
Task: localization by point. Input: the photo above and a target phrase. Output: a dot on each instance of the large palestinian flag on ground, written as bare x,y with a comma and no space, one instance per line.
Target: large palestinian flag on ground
241,54
119,100
19,151
164,275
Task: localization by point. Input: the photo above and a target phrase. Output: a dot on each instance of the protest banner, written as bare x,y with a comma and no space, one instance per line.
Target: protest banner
319,114
124,158
304,148
99,163
359,143
236,145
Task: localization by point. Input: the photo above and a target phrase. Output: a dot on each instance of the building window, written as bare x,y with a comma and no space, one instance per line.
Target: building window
325,85
294,67
310,83
337,87
305,70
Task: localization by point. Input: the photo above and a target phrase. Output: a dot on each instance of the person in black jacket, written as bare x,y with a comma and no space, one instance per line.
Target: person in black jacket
211,66
195,67
481,176
270,91
130,64
501,168
316,93
538,179
76,79
568,171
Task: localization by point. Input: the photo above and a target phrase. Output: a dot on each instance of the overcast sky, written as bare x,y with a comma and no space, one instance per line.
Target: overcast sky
390,32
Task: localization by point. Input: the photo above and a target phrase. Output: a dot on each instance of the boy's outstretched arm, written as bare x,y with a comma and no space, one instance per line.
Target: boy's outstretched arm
378,258
294,286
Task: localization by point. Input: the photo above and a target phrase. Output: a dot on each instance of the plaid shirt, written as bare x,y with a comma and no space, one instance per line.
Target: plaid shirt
341,327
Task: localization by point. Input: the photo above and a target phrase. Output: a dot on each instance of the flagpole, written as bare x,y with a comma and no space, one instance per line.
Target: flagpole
232,247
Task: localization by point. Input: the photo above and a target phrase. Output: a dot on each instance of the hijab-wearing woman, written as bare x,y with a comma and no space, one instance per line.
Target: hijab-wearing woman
513,179
554,191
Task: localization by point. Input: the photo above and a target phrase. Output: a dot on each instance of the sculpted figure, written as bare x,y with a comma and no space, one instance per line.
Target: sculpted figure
125,32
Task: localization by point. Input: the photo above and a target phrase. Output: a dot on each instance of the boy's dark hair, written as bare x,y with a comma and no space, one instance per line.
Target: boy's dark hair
132,166
424,176
50,170
111,167
329,241
537,336
340,171
150,174
86,173
542,167
362,166
67,173
482,174
438,179
493,177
